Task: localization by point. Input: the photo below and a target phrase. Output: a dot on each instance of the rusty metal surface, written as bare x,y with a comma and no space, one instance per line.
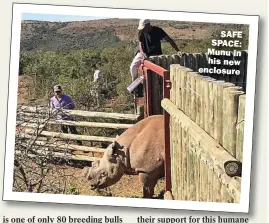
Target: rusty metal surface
146,69
155,68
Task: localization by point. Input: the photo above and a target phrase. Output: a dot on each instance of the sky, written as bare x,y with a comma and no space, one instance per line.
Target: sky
57,18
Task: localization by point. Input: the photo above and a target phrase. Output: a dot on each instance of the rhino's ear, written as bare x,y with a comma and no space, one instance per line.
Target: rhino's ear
116,146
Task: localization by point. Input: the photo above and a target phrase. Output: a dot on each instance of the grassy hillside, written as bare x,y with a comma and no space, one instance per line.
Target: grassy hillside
66,36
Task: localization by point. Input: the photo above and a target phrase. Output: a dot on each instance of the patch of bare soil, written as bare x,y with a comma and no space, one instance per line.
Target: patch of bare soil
26,92
127,187
25,86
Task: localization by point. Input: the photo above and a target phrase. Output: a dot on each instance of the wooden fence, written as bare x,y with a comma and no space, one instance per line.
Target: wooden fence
194,61
33,122
206,130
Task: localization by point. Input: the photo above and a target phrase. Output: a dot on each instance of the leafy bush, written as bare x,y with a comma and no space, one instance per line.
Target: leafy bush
74,71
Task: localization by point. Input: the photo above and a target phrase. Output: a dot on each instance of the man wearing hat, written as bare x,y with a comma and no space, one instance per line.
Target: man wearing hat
149,44
63,101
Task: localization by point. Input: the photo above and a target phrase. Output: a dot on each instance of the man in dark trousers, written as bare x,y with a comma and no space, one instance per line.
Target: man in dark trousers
63,101
149,45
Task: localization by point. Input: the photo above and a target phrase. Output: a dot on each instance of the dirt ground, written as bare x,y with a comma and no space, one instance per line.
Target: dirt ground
128,186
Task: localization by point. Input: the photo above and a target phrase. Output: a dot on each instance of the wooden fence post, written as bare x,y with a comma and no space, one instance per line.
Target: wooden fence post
230,117
240,128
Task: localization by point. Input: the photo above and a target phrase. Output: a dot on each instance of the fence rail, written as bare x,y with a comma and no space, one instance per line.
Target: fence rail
88,114
32,124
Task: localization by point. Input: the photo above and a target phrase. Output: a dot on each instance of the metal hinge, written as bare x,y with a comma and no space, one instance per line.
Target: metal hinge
168,84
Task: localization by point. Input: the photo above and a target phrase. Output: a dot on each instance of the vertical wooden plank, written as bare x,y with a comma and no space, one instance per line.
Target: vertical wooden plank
206,96
176,59
176,137
225,196
204,61
240,128
215,109
219,125
197,172
192,111
180,162
230,114
205,106
183,88
188,169
205,179
164,61
191,179
169,61
178,88
201,62
191,61
216,189
187,95
195,62
182,59
211,115
186,60
201,185
178,148
173,74
198,98
203,100
184,163
173,164
210,188
217,185
173,135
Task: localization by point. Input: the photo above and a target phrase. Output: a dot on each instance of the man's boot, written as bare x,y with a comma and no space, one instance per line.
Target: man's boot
139,91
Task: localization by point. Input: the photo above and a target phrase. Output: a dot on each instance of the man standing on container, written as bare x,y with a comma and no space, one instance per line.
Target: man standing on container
63,101
149,45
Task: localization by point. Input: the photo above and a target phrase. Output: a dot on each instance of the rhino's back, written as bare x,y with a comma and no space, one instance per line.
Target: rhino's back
145,141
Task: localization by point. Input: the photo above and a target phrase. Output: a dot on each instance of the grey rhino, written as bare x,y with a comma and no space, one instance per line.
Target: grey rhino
138,150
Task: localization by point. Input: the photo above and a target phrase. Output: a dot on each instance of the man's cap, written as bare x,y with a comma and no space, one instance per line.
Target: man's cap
142,23
57,87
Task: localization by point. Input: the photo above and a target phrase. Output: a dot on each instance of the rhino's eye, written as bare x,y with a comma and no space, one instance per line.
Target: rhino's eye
103,174
95,163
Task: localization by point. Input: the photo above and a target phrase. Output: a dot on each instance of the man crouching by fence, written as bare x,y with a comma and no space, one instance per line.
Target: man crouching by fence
63,101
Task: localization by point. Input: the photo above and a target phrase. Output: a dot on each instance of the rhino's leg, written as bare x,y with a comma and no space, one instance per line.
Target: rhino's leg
148,184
